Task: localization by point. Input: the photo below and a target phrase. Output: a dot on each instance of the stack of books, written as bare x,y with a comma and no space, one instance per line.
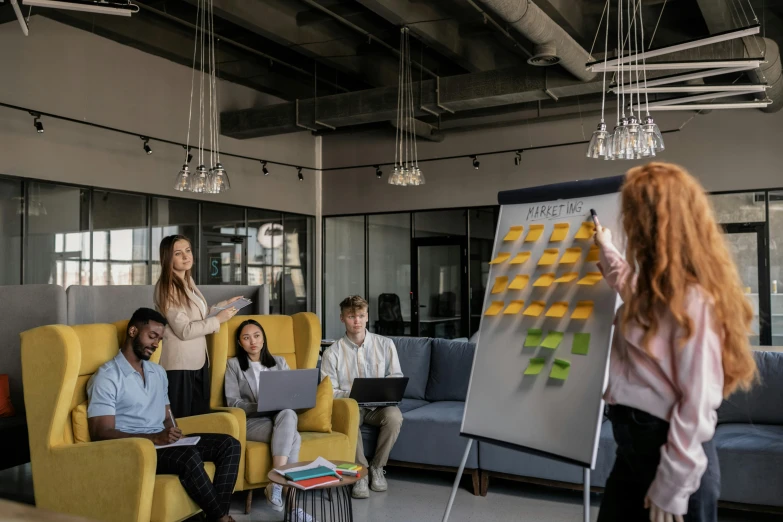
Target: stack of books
312,478
349,469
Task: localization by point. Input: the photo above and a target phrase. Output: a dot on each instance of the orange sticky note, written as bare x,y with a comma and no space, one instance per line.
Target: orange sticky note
502,258
495,307
590,279
558,309
586,231
520,258
519,282
559,233
567,277
545,280
534,233
514,233
500,284
535,309
593,254
513,307
571,256
583,310
549,257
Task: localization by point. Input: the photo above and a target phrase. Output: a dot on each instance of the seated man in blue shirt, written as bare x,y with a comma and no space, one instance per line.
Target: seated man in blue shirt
128,397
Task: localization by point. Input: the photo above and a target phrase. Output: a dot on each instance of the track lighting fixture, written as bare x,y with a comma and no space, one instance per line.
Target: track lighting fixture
299,170
146,141
37,122
518,158
378,172
476,162
264,169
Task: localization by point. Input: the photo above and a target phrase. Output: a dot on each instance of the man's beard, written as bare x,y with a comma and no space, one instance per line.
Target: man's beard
139,350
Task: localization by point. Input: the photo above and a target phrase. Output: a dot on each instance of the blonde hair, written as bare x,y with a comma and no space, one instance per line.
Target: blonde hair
353,303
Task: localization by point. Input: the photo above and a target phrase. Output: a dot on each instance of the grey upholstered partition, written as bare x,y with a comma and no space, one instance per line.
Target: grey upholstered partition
23,307
107,304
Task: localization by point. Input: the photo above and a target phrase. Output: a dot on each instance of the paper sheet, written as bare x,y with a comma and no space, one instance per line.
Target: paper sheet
545,280
560,369
320,461
567,277
502,258
520,258
593,255
559,233
519,282
514,233
586,231
558,309
533,338
581,344
238,304
500,284
514,307
534,233
535,365
495,307
583,310
184,441
571,256
552,340
549,257
590,279
535,309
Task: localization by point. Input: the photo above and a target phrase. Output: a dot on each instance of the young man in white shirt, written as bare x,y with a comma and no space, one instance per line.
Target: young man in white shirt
364,354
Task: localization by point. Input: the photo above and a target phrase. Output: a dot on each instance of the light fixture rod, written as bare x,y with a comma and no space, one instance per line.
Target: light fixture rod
711,106
706,64
119,9
676,78
700,97
703,88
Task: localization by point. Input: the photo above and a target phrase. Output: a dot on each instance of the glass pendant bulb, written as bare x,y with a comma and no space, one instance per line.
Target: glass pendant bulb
650,128
633,150
394,178
620,140
199,182
419,176
219,179
609,146
597,147
182,183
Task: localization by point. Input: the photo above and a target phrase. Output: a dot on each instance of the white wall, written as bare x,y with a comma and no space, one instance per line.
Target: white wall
727,150
70,72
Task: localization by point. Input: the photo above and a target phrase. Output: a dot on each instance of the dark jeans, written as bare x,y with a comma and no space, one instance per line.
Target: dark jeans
189,391
187,462
639,438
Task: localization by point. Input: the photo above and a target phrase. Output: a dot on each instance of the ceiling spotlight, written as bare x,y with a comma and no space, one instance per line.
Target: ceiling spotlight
476,162
37,122
264,169
299,170
518,158
146,141
378,171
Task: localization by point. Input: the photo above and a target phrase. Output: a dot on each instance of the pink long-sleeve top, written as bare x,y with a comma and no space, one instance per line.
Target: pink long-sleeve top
681,383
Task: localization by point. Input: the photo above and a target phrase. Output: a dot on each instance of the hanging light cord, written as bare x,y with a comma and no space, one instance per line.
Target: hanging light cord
606,55
644,62
652,38
192,84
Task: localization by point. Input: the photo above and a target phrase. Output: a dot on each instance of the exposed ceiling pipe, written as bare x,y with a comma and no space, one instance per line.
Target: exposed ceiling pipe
527,18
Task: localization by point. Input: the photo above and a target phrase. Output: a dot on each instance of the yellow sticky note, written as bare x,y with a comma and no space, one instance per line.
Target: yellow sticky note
502,258
520,258
549,257
559,233
495,307
500,284
545,280
513,307
535,309
571,256
558,309
519,282
514,233
586,231
534,233
593,255
567,277
583,310
590,279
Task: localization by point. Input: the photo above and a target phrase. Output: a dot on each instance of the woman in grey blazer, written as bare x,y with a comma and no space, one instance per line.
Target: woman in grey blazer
241,387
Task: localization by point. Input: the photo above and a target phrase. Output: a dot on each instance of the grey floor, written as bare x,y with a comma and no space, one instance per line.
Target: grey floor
421,496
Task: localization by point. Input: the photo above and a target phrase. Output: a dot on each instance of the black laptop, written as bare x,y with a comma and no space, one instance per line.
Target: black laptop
378,392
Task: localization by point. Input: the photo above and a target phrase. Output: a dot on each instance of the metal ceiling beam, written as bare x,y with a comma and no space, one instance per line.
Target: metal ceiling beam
315,17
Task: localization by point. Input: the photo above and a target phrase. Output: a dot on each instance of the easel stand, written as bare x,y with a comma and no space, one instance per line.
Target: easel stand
585,496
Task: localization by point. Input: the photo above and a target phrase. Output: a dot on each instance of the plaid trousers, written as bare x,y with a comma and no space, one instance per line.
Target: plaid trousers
187,462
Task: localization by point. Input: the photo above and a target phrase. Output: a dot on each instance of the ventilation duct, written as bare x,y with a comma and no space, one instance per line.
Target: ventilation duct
544,56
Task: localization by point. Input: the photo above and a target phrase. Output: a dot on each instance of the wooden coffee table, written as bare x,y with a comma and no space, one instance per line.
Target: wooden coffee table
319,502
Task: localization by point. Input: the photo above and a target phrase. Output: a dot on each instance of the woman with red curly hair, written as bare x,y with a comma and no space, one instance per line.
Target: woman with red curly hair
680,346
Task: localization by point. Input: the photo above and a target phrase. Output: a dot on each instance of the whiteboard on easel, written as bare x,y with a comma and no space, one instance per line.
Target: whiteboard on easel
541,359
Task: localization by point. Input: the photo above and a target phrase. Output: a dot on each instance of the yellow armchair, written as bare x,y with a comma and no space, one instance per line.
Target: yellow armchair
57,362
297,338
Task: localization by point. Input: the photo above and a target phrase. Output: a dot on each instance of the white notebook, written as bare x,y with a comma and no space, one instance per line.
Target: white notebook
184,441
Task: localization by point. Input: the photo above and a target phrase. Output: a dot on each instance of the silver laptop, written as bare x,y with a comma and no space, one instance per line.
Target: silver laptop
287,390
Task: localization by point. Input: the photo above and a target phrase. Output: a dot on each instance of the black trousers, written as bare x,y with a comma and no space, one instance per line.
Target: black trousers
639,438
214,497
189,391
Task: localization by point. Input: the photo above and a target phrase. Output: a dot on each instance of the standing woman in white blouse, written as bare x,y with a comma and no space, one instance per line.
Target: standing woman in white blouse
184,355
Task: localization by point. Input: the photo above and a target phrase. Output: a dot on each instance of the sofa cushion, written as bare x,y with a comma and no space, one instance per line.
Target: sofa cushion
319,418
369,434
762,404
751,463
450,369
170,501
81,428
411,404
414,354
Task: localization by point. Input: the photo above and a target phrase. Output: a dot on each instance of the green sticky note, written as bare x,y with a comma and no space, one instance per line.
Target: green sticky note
533,337
535,366
560,369
581,344
552,340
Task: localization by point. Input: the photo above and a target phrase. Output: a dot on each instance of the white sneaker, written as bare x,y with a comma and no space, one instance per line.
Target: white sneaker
274,496
300,515
377,479
360,489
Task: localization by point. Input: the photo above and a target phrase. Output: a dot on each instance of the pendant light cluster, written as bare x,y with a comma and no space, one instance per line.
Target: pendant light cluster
406,170
632,137
215,179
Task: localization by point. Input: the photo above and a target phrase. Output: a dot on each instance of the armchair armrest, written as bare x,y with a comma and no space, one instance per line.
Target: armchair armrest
345,419
210,423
